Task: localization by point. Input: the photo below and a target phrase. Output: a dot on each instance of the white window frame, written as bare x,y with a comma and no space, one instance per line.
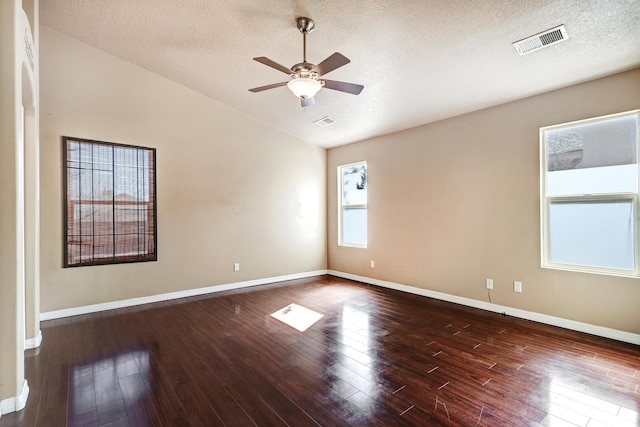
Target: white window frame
545,203
342,206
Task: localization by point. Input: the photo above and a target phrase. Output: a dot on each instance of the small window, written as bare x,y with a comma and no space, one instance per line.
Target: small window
110,203
352,191
589,186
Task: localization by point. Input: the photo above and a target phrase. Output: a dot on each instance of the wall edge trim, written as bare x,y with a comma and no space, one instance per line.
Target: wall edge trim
17,403
33,342
600,331
94,308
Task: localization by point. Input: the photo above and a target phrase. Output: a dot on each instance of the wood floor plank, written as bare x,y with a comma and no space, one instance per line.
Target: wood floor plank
375,357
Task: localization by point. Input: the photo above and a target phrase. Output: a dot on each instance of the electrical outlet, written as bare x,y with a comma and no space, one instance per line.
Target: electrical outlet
489,283
372,263
517,286
236,266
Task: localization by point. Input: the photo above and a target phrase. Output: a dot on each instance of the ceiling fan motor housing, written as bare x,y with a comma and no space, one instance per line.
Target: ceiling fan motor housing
304,70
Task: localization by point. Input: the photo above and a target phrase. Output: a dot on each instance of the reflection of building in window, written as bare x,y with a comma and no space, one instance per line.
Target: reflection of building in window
590,145
564,150
110,209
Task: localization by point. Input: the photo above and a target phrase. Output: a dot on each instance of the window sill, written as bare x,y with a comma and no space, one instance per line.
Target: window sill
592,270
352,245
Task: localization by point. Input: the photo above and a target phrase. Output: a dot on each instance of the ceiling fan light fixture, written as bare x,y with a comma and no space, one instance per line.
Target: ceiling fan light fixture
304,87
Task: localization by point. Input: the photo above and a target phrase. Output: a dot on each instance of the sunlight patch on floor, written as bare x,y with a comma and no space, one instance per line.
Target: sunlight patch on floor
297,317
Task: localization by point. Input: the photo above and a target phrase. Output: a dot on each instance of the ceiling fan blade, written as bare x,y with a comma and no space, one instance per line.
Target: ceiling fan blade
333,62
273,86
351,88
307,102
266,61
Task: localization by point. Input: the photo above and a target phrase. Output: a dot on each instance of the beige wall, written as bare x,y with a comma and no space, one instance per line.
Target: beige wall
450,203
455,202
230,188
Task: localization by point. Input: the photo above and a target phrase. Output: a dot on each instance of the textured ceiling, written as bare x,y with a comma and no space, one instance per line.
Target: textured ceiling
419,60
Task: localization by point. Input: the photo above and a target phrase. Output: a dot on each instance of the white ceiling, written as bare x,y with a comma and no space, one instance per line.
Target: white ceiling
419,60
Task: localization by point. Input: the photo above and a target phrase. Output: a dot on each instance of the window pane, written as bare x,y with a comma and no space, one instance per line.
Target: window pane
592,158
603,143
354,225
592,233
354,185
608,179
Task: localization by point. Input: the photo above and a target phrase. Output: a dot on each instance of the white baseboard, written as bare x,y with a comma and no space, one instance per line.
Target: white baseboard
14,404
33,342
57,314
523,314
528,315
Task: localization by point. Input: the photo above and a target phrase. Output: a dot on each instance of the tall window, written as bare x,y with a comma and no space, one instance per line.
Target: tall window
352,181
110,203
589,186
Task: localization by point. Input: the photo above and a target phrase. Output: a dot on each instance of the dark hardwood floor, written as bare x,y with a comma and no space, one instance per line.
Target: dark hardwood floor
376,357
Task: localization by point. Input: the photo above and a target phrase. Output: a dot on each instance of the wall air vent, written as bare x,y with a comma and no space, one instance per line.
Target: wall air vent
544,39
324,122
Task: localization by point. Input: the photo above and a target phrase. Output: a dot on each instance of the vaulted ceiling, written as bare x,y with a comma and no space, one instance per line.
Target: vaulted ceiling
419,60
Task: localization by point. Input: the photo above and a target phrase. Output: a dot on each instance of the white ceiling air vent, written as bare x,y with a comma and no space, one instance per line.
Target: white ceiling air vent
325,121
544,39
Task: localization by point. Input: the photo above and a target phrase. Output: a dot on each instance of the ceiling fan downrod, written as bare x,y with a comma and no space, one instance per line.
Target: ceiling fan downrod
305,25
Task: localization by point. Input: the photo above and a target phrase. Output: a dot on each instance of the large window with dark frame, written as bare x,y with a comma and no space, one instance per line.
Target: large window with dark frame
109,203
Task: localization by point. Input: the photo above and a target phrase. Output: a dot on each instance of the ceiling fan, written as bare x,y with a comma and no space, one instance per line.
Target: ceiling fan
306,78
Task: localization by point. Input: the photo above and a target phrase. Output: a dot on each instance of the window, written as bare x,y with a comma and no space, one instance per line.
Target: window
589,188
110,203
352,182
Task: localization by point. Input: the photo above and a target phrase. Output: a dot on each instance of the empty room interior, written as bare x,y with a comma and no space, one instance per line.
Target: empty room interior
197,227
